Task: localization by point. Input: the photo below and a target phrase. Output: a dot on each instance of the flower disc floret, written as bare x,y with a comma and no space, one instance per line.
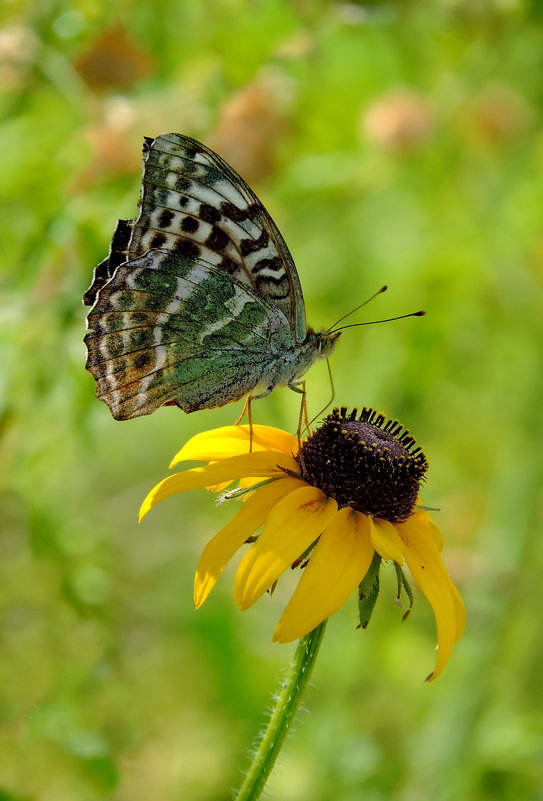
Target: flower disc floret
369,464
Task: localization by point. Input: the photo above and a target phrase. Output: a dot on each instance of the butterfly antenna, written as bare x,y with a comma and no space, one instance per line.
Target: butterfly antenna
329,402
374,322
379,292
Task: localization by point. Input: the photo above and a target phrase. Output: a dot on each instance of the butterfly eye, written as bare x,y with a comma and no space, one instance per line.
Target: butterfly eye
327,341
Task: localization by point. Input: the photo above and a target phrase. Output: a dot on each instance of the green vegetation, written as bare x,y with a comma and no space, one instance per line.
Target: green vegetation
393,142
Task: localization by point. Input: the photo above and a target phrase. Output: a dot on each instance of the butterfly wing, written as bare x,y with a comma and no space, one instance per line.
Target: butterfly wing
167,329
195,204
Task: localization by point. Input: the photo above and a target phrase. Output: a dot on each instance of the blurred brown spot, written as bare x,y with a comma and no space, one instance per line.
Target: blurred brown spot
300,45
113,61
250,125
115,144
401,121
498,114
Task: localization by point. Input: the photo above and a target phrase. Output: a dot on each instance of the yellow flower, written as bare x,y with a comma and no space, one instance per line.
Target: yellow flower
347,494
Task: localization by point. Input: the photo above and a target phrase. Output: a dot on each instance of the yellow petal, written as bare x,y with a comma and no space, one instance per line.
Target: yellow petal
460,609
221,443
340,561
245,483
242,483
222,486
218,487
386,540
432,529
431,576
223,546
292,526
261,463
423,520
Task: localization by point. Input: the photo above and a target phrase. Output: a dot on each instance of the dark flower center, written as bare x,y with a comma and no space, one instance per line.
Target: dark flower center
370,464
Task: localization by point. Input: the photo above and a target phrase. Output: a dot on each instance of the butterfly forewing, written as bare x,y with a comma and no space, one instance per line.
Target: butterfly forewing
196,205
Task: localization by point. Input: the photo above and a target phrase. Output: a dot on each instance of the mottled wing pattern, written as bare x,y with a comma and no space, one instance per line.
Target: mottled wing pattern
118,251
170,329
197,206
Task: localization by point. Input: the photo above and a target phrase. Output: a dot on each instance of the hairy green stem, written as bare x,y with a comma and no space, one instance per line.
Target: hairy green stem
286,703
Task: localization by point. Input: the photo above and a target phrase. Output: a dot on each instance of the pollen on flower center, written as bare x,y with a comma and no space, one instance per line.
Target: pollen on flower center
370,464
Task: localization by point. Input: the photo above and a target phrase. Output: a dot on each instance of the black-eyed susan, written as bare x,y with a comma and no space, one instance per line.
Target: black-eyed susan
338,502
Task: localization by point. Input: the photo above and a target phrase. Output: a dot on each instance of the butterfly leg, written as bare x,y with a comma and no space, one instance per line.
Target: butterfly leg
307,422
247,410
250,420
303,418
243,411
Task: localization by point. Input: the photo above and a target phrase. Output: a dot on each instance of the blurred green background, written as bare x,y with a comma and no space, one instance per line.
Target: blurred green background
393,142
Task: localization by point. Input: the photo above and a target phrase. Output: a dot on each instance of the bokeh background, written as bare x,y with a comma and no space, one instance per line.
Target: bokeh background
393,142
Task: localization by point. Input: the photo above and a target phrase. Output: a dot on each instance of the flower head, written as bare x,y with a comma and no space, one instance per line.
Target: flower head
338,503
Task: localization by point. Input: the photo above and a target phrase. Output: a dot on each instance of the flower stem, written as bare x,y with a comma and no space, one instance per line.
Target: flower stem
284,709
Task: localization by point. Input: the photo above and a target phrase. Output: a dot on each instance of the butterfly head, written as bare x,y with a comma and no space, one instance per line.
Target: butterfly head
326,341
319,344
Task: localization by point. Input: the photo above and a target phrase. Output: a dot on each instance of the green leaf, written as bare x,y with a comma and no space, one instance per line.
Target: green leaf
403,584
368,592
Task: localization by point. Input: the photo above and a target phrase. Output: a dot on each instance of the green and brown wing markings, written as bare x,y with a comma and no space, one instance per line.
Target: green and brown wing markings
118,251
169,330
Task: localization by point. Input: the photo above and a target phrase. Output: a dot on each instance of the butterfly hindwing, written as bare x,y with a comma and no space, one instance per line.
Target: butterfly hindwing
168,329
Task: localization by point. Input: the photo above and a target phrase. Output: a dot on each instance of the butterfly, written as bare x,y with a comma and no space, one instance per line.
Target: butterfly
198,302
